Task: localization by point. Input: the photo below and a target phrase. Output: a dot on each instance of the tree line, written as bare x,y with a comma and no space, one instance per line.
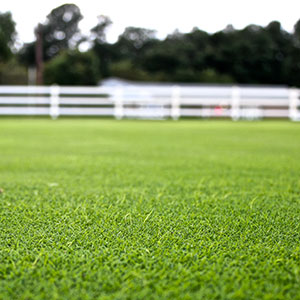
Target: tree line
253,55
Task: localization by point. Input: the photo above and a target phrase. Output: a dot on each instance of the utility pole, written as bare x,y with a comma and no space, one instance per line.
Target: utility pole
39,55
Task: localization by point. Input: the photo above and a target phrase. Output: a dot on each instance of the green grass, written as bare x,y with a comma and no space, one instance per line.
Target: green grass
104,209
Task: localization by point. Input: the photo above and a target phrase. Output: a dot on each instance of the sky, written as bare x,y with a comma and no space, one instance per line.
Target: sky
162,15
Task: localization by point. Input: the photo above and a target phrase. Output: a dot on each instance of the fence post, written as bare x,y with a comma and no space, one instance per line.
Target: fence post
235,103
54,101
175,105
293,104
118,101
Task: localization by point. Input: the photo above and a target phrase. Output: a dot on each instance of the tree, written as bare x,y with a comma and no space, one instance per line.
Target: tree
10,71
293,60
123,57
134,41
296,34
253,55
99,31
72,68
7,36
101,48
178,57
59,32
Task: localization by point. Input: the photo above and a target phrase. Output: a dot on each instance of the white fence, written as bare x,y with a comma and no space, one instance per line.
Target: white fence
153,102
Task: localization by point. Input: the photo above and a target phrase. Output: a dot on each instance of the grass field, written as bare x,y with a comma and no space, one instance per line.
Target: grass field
104,209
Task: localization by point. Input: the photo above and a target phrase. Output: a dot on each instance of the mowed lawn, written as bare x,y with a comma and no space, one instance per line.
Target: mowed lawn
105,209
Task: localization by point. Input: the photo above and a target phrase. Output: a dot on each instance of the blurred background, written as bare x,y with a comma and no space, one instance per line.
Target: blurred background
57,51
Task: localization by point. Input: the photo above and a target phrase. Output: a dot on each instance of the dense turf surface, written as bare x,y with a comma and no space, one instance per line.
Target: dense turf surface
149,210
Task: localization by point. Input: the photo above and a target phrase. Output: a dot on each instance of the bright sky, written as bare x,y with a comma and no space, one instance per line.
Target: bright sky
162,15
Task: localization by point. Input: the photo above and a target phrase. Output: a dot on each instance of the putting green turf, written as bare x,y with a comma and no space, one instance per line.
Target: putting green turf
105,209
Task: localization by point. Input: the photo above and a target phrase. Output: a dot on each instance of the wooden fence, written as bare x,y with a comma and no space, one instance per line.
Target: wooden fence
152,102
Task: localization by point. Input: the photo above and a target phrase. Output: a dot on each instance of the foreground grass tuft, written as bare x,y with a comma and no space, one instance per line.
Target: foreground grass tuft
101,209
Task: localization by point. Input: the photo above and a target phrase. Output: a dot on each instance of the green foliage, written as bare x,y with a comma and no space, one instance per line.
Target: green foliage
59,32
7,36
254,55
149,210
60,28
133,42
211,76
99,31
125,69
72,68
293,59
12,73
101,48
161,58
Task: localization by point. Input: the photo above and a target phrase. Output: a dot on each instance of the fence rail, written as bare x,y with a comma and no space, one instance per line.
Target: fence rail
153,102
